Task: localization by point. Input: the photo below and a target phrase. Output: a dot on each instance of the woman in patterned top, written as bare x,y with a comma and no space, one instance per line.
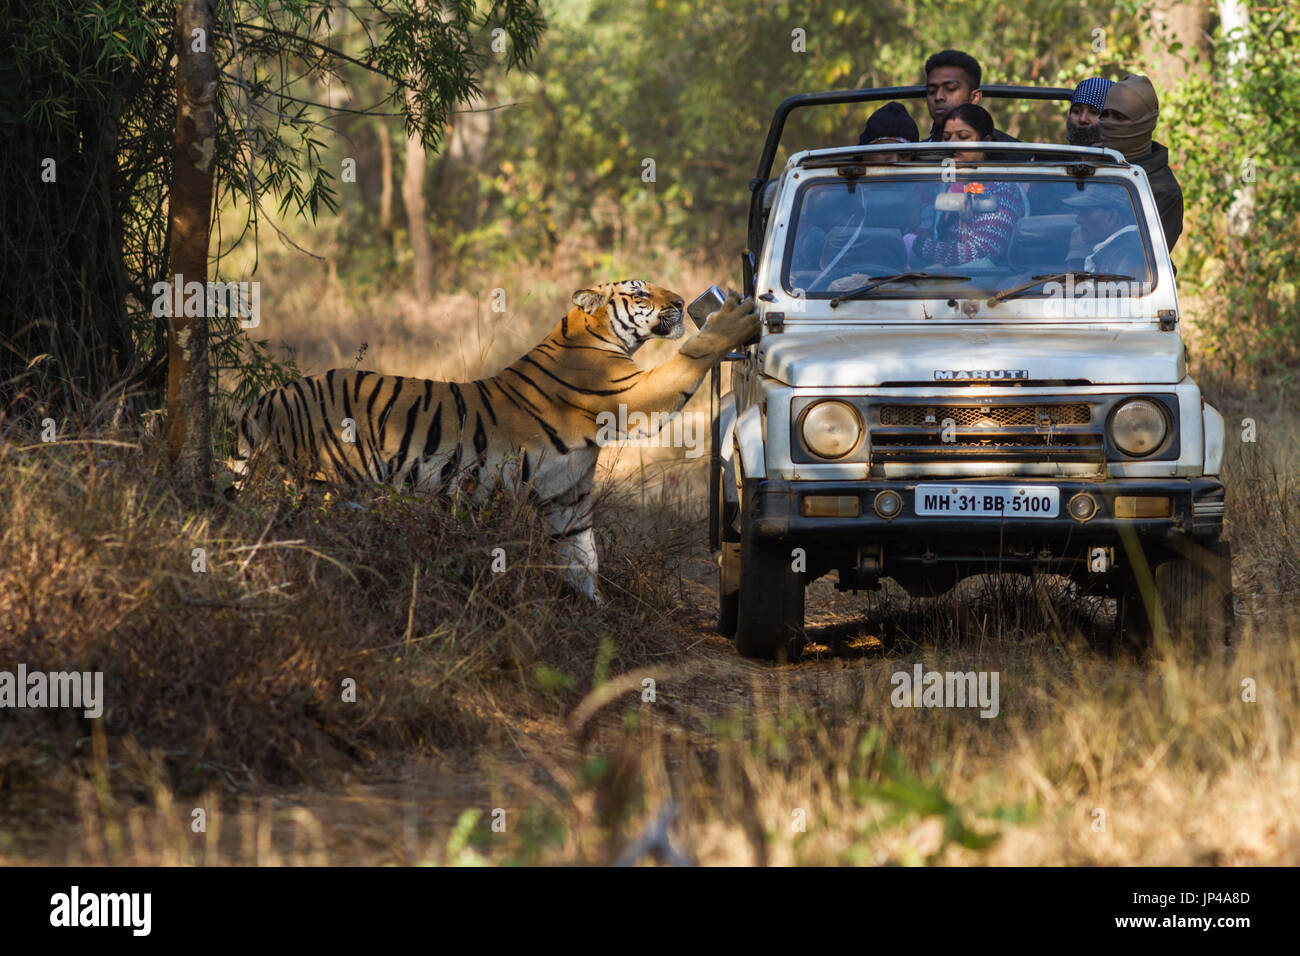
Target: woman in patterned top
978,239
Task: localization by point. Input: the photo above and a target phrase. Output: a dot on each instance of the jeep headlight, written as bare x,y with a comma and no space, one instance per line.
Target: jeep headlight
831,429
1138,427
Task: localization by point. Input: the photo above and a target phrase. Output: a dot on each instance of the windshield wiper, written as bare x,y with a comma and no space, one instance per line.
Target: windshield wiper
1058,277
877,281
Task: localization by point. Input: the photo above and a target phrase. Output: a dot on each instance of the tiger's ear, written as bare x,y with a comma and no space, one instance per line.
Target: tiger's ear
594,299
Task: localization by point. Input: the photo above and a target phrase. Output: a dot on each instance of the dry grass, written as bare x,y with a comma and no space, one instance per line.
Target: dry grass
455,337
236,674
224,687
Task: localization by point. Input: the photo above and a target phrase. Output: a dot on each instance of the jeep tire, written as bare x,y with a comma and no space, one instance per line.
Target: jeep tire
728,557
1195,593
769,613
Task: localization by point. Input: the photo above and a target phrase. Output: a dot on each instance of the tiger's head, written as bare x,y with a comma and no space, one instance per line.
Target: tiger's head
635,309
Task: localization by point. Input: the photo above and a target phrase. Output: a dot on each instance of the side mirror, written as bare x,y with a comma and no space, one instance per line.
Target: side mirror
705,304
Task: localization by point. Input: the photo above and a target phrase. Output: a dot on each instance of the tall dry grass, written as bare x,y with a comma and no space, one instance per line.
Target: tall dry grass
457,335
480,693
226,636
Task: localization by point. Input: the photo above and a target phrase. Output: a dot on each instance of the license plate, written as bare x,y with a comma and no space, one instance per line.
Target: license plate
990,501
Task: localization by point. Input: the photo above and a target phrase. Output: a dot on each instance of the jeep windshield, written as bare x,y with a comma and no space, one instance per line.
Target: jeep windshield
991,233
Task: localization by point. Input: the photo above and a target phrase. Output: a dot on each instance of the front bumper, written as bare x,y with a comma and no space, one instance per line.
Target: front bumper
1197,511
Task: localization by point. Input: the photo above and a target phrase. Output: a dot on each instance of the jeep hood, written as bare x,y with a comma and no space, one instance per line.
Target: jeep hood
818,356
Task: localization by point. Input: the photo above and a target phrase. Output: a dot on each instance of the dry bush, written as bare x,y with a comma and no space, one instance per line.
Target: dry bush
814,766
237,672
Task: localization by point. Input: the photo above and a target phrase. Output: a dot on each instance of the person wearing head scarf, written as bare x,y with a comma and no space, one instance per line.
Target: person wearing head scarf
1082,122
1127,121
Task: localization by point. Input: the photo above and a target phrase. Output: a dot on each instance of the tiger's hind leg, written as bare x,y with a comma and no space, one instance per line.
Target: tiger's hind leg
577,553
568,518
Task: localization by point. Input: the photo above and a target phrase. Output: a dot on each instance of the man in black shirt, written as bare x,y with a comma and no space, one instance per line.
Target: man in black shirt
951,79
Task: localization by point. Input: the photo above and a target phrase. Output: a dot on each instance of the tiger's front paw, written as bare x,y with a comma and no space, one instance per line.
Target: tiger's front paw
733,324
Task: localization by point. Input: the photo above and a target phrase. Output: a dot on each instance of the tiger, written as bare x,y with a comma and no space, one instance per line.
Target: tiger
533,425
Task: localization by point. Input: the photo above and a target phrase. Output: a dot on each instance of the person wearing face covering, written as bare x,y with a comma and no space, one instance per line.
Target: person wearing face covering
1081,129
1127,121
1081,121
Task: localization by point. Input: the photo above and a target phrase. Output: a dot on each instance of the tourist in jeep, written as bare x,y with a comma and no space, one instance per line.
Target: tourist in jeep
977,238
1105,219
1083,121
1127,120
1082,128
889,124
952,78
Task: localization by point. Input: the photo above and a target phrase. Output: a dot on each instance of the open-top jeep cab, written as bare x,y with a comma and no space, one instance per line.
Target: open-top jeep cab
922,409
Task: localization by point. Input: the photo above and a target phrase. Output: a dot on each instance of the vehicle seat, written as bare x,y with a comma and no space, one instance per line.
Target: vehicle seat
1041,243
879,248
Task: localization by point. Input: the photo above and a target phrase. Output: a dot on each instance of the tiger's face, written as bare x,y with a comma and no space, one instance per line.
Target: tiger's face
637,310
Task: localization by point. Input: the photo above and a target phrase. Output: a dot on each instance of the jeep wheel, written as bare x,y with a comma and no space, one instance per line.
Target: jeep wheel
1196,595
728,557
769,614
1195,592
728,588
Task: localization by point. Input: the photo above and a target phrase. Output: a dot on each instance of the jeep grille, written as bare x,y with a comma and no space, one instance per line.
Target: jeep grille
1049,431
966,416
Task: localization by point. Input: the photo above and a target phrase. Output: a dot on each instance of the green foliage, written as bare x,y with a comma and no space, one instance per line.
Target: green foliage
275,128
426,54
910,797
605,652
79,89
550,680
1237,135
692,86
91,85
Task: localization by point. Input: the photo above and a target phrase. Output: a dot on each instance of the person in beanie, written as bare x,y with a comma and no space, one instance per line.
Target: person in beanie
1127,121
1081,129
889,124
1082,122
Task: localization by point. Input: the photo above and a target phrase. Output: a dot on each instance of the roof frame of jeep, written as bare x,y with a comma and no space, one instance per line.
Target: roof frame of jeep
1089,157
838,97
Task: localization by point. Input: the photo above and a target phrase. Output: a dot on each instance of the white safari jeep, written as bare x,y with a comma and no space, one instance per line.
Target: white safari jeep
959,374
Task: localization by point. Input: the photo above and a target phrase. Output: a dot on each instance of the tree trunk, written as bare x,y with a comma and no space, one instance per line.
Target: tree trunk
386,172
1234,15
1184,21
189,447
417,225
